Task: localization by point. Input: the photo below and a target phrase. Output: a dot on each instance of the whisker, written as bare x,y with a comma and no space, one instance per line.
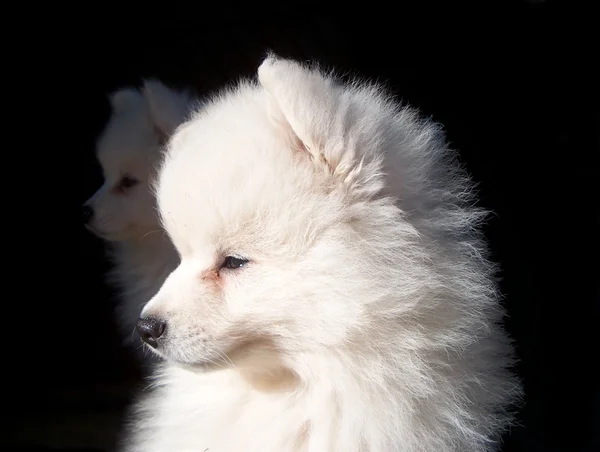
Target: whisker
151,232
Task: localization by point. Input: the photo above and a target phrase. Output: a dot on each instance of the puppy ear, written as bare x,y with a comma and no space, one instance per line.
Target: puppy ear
168,108
125,99
335,125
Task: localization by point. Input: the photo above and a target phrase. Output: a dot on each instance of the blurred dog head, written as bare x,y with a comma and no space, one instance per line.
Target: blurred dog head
128,151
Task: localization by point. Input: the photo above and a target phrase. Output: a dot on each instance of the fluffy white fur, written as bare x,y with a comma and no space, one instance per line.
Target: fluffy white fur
125,215
366,317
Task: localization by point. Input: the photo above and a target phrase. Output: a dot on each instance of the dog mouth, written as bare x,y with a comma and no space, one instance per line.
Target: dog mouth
154,351
265,374
203,364
200,366
203,359
248,352
107,236
178,356
95,231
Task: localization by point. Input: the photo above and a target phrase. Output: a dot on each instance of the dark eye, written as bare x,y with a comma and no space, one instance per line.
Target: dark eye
232,262
127,182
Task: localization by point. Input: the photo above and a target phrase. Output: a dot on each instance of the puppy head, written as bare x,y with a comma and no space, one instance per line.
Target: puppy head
128,151
272,196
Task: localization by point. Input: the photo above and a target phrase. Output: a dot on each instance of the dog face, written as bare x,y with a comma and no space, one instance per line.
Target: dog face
128,151
272,196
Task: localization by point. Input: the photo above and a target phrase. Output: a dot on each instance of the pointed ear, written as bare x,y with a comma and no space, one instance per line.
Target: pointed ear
335,124
168,108
124,99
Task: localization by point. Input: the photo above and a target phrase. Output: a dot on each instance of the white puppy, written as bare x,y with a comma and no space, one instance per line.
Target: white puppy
333,292
123,210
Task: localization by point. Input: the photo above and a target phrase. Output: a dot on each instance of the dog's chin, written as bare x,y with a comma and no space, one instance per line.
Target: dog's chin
198,366
95,232
260,354
155,352
108,236
197,363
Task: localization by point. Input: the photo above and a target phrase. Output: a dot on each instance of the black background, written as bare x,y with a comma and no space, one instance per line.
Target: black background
513,83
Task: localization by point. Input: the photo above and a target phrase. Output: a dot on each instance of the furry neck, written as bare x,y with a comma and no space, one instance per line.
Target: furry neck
384,398
325,403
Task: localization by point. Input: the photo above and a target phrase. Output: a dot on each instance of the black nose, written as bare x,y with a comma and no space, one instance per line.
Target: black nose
150,330
86,214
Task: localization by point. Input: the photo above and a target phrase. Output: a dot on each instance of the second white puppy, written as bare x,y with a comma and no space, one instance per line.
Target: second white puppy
123,210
